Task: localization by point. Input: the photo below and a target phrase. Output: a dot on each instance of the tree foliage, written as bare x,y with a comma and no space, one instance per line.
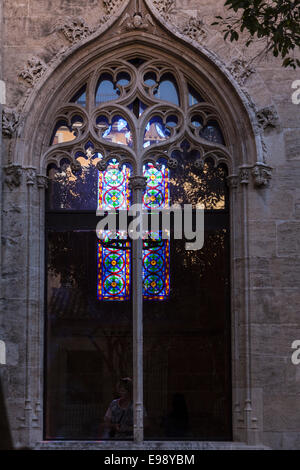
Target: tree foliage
276,21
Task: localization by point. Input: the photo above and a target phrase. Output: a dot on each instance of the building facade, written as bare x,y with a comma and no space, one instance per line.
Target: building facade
74,71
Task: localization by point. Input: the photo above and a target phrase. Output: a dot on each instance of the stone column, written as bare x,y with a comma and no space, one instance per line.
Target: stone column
138,185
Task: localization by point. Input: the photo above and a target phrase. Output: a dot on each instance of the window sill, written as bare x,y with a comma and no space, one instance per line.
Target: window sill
146,445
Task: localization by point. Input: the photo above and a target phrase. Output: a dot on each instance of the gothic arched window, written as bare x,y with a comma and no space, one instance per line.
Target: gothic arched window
137,118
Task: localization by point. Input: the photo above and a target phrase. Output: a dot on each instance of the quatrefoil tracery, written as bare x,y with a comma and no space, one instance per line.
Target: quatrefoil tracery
149,125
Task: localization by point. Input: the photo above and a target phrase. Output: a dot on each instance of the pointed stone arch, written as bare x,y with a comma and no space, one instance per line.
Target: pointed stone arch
54,83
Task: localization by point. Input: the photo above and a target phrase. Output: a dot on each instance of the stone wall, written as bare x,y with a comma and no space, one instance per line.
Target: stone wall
44,29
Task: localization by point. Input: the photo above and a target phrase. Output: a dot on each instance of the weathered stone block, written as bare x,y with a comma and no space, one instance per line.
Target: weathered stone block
288,238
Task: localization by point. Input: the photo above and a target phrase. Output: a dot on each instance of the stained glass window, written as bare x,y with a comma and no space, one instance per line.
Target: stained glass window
156,264
113,270
156,269
114,260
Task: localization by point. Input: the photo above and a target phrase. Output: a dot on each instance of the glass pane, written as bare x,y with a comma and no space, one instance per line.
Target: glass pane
137,107
69,189
191,184
106,90
89,347
117,132
114,190
213,133
156,268
80,97
157,191
62,133
187,386
194,96
155,132
114,268
167,90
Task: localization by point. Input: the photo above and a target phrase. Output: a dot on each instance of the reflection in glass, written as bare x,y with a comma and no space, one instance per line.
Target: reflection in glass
167,90
150,79
74,190
106,90
213,133
62,133
117,132
137,107
89,343
191,184
80,97
155,132
187,386
194,96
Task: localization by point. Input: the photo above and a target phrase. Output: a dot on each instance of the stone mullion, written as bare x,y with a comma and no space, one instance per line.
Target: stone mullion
138,184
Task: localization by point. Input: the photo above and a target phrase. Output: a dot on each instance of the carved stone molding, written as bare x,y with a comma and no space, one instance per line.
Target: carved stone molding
232,181
10,121
102,165
13,176
165,7
172,163
267,117
137,183
194,29
244,175
110,5
42,181
30,176
241,70
261,174
137,22
33,71
74,29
